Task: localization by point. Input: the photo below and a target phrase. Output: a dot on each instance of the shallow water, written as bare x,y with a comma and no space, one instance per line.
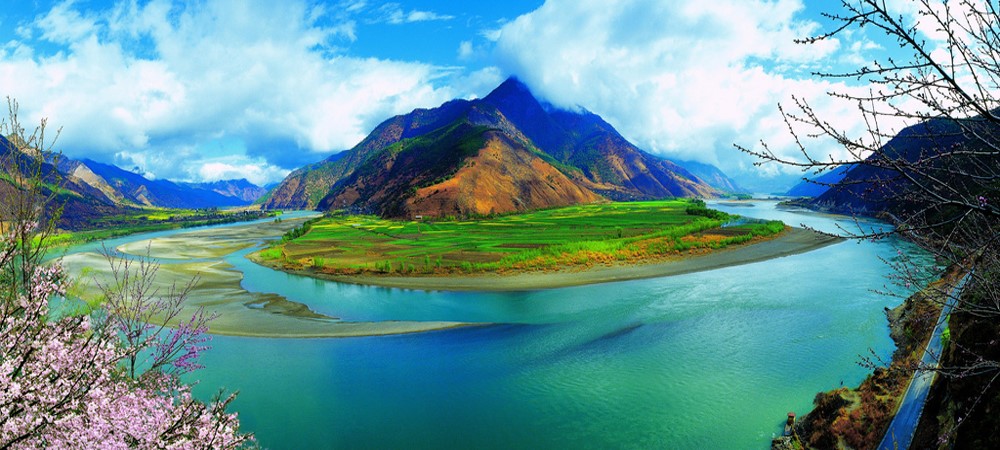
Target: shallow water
705,360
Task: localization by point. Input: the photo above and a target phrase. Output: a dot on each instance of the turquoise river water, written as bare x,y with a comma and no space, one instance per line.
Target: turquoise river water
709,360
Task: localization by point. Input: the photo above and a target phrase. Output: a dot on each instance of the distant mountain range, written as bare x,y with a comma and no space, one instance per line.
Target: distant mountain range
81,202
89,190
122,186
505,152
713,176
241,189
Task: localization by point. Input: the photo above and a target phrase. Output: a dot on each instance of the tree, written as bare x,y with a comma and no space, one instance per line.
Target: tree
68,376
937,180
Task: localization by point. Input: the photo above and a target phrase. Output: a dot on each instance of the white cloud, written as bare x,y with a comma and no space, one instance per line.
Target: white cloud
155,78
490,34
465,50
394,14
256,172
686,80
64,24
150,81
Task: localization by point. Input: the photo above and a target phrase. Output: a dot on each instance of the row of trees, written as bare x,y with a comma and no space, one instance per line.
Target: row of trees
72,377
939,180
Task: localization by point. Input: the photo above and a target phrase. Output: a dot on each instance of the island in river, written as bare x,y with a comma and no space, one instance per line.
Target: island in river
553,248
216,258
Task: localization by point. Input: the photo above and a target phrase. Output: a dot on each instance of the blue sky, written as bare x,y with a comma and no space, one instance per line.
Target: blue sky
206,90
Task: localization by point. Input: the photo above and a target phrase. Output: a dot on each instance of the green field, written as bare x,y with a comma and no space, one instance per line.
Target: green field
550,239
152,219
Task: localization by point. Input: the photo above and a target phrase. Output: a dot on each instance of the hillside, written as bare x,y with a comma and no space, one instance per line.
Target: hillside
81,203
876,187
937,181
505,152
818,185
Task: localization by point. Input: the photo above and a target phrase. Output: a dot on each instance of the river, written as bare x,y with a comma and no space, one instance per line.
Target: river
705,360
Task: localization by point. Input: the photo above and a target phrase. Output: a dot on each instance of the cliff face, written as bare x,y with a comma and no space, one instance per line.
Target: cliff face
529,155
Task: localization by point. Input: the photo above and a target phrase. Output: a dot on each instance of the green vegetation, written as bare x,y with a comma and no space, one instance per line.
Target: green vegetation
299,231
946,334
149,220
578,236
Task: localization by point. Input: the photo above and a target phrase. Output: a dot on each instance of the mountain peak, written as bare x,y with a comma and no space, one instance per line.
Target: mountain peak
505,152
512,88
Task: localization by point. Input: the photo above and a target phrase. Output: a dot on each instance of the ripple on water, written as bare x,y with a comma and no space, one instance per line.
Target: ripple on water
704,360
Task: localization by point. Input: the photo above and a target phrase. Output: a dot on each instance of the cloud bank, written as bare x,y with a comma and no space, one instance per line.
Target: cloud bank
194,90
145,84
681,79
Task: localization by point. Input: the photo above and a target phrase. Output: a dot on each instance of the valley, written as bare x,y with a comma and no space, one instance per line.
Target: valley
531,224
526,358
441,221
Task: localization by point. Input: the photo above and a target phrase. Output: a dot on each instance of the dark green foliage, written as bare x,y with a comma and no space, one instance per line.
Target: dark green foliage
696,210
300,230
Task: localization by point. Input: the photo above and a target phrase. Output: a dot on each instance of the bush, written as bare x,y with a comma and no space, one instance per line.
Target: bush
705,212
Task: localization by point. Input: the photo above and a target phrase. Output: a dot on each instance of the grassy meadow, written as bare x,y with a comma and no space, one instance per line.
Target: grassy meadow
574,236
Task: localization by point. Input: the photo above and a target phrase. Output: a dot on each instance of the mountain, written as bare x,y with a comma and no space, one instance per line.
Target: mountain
713,176
504,152
874,188
111,184
123,186
81,202
818,185
240,189
88,190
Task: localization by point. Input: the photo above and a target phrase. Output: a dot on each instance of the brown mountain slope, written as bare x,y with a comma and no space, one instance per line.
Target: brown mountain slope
616,169
502,177
612,165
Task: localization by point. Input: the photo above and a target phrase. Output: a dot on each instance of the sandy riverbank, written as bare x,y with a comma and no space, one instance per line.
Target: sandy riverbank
792,241
217,288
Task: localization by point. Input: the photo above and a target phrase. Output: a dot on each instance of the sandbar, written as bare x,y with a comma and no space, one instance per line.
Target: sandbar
790,242
210,243
217,288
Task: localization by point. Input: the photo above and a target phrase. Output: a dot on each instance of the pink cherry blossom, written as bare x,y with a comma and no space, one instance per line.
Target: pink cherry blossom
63,384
